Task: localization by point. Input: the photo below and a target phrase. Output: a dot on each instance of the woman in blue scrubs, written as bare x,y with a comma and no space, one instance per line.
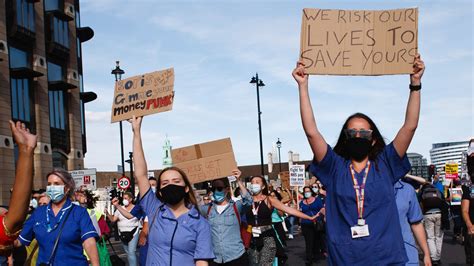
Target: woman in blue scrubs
359,175
411,218
178,235
46,222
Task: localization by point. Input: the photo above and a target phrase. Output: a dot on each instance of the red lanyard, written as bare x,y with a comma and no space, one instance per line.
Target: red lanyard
360,190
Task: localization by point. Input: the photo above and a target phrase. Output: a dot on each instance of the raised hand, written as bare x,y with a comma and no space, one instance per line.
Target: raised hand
418,70
136,123
299,74
237,173
115,202
22,135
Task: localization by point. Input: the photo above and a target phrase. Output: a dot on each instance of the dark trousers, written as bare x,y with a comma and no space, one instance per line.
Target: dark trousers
241,261
312,239
468,247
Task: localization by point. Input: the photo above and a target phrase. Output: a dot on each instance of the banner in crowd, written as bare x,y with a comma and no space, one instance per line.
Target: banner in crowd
86,178
297,175
143,95
451,170
359,42
206,161
456,196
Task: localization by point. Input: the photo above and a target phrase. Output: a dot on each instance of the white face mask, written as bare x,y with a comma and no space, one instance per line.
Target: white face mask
315,189
255,188
33,203
153,188
125,202
307,195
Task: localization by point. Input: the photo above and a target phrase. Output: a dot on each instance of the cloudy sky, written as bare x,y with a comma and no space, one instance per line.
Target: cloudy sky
216,47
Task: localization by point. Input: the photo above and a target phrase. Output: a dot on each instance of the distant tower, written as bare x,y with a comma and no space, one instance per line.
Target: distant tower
167,160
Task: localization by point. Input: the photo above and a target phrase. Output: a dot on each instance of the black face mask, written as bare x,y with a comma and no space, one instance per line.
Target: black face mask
172,194
358,148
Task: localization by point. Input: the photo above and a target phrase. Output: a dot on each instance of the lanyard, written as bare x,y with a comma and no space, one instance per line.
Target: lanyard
360,190
255,208
48,223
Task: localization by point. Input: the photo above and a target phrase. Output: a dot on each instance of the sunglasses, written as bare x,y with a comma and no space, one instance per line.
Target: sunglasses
363,133
217,188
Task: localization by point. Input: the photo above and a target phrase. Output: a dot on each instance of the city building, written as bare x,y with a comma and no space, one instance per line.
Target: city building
419,165
41,85
442,153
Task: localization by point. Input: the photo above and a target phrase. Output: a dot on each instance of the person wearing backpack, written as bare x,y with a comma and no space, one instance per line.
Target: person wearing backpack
224,217
433,206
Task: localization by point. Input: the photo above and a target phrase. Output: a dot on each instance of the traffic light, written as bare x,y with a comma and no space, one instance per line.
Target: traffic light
113,193
432,170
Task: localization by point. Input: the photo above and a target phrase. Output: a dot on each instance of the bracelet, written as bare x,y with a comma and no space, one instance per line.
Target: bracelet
415,87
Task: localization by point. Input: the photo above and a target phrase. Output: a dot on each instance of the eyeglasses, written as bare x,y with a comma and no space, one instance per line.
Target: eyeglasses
363,133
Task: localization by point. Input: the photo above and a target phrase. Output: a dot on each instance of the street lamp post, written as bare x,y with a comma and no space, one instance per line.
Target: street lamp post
132,179
279,157
117,72
259,83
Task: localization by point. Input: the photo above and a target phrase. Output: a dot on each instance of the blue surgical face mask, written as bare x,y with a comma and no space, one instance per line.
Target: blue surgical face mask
219,196
55,193
307,195
153,188
255,188
315,190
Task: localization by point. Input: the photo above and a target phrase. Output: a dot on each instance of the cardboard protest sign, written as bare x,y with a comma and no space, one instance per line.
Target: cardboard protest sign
297,174
456,196
206,161
359,42
143,95
285,179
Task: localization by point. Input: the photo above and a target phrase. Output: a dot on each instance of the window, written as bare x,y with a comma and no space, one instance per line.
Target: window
59,160
78,47
55,72
57,111
18,58
51,5
60,31
20,94
25,14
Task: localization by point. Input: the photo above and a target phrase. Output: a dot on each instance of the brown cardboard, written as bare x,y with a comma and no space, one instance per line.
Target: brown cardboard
206,161
285,179
359,42
142,95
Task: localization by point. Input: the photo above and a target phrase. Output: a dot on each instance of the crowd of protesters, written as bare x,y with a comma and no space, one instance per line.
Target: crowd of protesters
346,214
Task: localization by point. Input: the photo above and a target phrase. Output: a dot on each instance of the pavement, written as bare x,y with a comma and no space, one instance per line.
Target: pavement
452,252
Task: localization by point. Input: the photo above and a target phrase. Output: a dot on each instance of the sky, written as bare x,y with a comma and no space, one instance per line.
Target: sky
216,47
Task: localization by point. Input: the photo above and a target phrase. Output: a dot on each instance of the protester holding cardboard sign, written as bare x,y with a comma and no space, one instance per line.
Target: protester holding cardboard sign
178,233
263,247
224,217
359,175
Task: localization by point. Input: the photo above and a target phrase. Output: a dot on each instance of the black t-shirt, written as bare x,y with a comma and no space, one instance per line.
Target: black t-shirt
468,194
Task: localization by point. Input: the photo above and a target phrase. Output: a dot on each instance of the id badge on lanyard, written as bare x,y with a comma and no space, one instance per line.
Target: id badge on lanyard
361,229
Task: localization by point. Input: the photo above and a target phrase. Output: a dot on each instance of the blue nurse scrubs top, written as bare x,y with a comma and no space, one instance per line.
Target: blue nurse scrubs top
77,228
409,212
175,242
384,245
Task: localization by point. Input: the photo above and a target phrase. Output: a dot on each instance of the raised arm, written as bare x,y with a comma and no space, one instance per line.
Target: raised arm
121,209
315,139
406,133
139,163
23,184
282,207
